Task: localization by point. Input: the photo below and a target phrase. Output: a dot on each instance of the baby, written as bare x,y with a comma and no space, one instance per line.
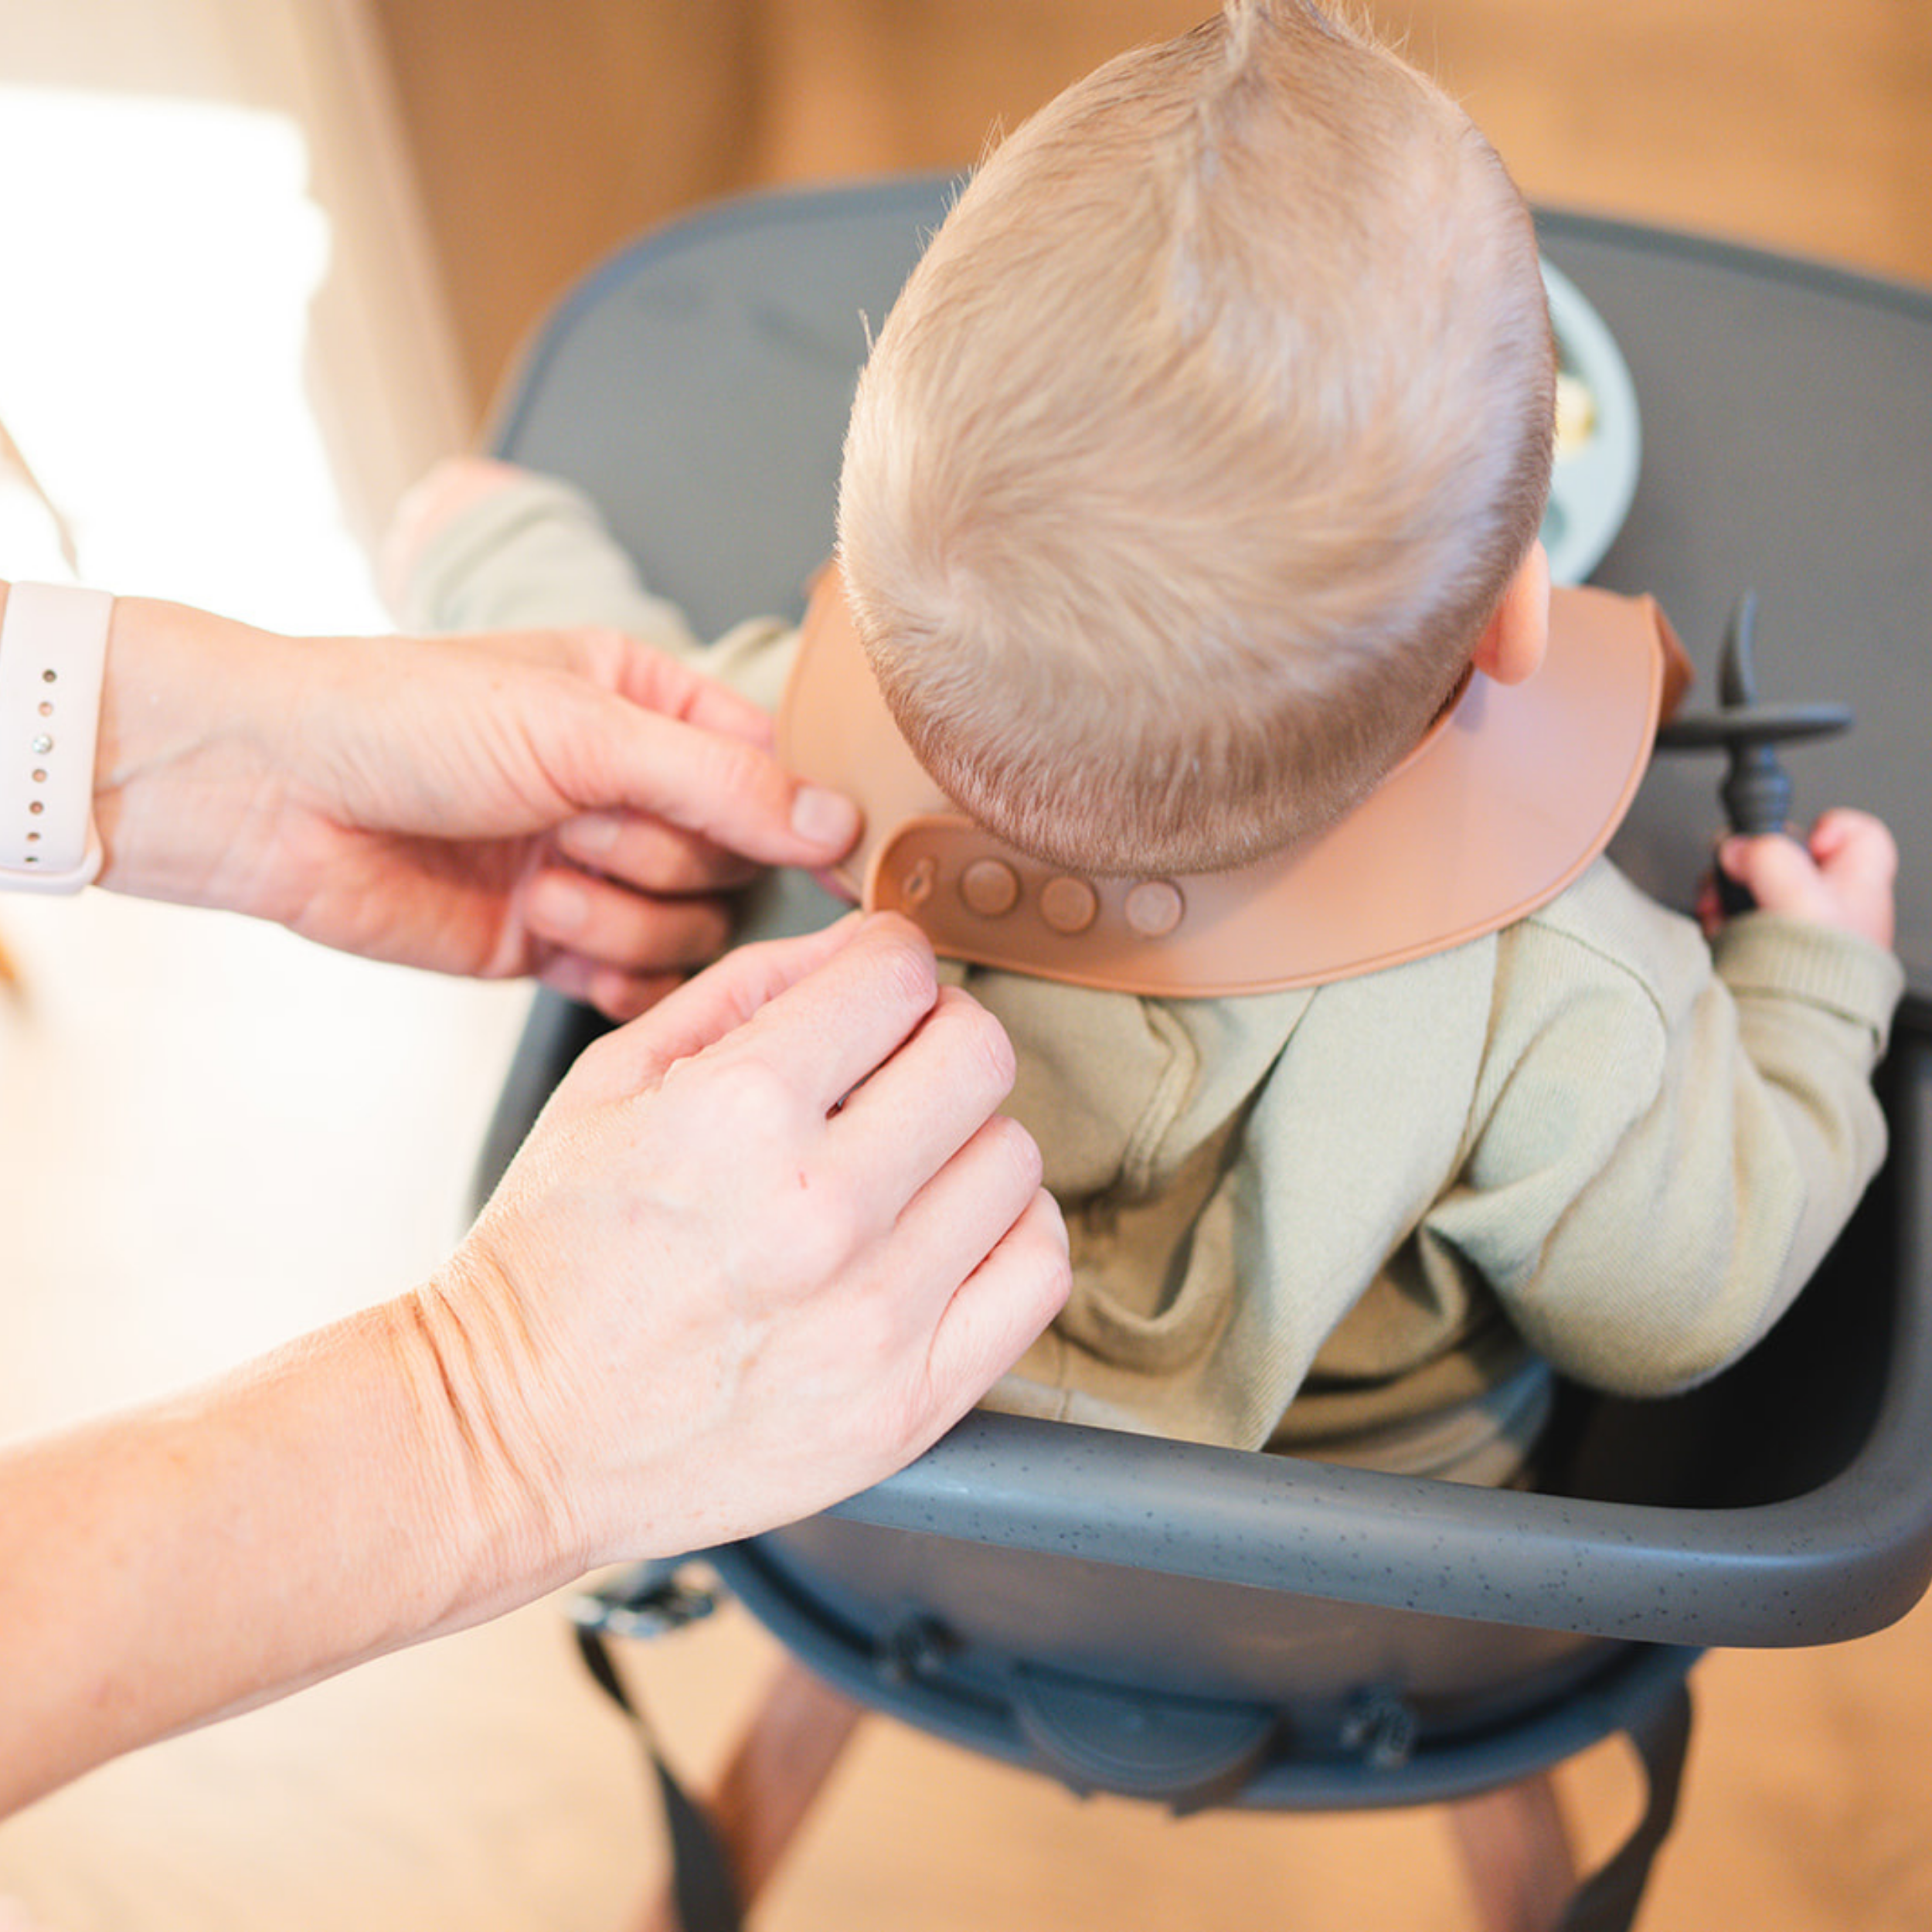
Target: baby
1188,528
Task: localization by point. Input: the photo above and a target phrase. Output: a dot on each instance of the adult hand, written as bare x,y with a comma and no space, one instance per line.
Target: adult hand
765,1244
763,1247
568,804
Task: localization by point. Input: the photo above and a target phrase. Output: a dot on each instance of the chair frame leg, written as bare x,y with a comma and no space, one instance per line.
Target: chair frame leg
1514,1843
1516,1854
782,1761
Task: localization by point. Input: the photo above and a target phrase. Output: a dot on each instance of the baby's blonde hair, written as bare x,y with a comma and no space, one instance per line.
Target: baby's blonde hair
1201,445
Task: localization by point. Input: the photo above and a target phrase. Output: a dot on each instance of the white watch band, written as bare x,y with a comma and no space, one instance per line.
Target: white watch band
54,654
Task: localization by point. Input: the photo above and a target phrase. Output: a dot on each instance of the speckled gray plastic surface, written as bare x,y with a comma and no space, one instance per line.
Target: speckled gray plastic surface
1836,1561
697,387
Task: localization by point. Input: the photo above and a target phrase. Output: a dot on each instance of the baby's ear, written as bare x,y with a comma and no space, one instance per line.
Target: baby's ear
1513,642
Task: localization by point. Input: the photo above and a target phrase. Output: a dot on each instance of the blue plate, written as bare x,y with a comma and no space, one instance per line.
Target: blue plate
1599,447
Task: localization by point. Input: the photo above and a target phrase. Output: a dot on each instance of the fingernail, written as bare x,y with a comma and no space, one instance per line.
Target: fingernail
558,906
827,818
592,836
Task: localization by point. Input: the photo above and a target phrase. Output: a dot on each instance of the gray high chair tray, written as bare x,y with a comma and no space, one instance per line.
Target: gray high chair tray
1206,1625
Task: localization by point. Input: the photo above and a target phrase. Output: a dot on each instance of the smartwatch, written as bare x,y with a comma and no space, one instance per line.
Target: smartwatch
53,652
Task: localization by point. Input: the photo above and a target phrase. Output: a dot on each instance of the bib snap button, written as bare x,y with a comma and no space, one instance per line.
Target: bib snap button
990,887
1069,905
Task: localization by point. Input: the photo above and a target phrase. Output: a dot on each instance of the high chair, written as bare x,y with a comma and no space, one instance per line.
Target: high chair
1204,1628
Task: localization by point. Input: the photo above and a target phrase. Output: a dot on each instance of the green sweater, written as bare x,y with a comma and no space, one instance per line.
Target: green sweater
1353,1221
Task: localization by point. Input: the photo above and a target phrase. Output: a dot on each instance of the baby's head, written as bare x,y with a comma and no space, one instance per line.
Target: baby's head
1192,463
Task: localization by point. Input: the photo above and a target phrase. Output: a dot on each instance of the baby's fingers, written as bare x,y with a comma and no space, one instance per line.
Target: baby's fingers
1857,842
1857,859
1841,877
1778,872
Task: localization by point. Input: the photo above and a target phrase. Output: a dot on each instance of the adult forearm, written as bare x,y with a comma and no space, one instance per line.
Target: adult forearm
177,1563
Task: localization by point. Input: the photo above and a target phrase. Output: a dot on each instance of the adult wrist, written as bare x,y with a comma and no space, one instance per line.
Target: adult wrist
199,738
53,648
501,1517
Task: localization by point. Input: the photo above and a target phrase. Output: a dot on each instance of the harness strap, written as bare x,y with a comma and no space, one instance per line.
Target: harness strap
1608,1901
701,1877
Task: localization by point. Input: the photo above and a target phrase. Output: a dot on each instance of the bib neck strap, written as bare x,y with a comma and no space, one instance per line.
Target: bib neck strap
1512,792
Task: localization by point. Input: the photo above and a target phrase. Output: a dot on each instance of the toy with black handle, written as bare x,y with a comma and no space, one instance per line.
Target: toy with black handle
1757,789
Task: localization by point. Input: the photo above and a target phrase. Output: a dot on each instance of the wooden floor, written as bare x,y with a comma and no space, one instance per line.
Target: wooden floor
482,1783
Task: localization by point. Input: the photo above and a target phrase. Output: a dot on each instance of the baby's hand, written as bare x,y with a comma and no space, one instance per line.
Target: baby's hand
1840,876
442,496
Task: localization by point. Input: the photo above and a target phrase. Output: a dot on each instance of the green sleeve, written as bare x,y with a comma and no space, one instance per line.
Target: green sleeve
537,554
1662,1144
